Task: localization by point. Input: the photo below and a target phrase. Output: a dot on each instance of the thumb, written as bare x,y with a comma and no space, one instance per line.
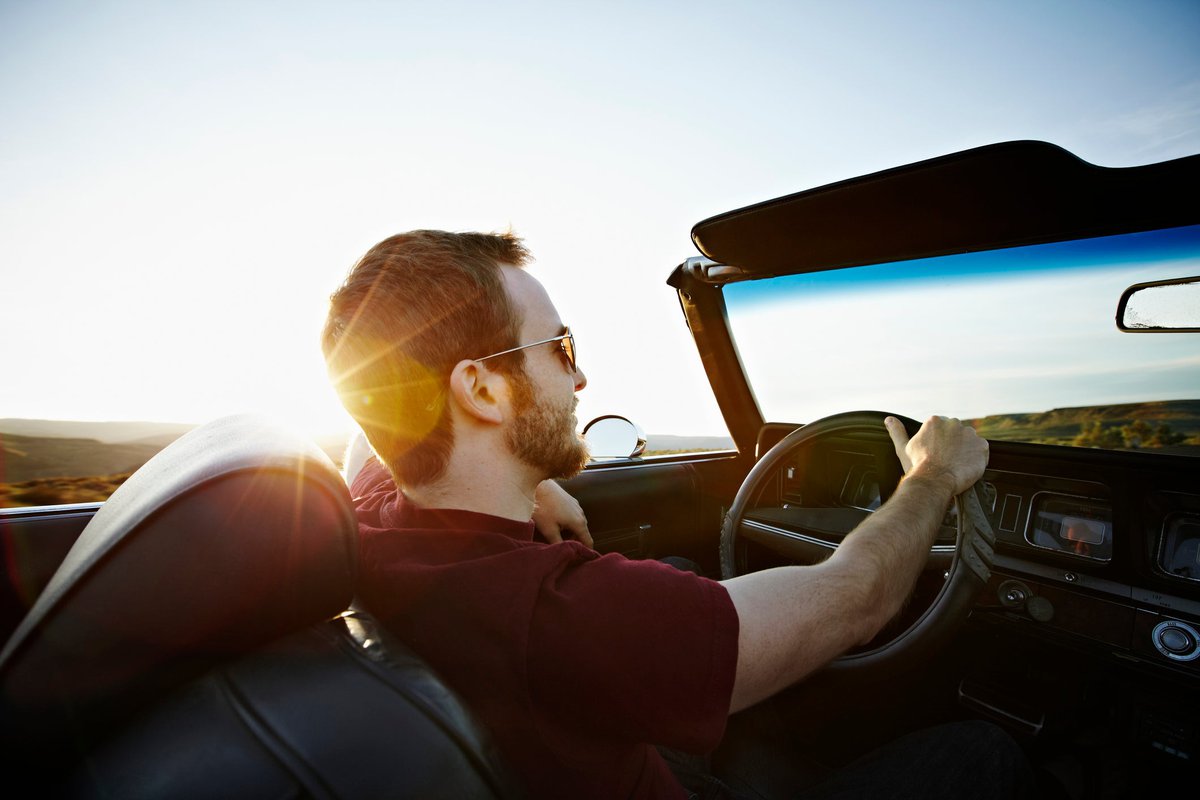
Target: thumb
895,429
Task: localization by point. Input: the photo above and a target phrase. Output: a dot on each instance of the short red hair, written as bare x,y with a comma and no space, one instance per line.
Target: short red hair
414,306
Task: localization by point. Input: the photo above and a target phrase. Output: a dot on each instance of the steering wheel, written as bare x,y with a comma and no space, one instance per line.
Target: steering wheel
969,569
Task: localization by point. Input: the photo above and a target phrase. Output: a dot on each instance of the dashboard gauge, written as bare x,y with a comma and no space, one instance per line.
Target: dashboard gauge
1077,526
861,488
1179,554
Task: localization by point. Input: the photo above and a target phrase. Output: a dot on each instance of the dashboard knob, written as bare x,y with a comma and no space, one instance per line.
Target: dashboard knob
1013,594
1041,609
1176,640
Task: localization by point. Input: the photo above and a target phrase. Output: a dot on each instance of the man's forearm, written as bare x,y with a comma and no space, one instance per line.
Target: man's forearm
793,620
894,542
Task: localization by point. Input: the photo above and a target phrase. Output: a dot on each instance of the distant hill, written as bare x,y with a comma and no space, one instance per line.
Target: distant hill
59,491
160,433
1062,425
34,449
664,442
26,458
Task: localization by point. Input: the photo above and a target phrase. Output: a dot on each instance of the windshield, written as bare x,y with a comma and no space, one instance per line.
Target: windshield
1022,341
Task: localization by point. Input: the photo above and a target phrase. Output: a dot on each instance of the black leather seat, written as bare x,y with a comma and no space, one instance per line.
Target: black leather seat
195,643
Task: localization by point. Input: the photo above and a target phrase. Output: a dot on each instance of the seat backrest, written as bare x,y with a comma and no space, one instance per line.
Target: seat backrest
192,644
336,710
238,532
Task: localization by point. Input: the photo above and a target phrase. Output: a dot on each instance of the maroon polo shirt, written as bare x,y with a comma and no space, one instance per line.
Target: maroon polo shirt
576,663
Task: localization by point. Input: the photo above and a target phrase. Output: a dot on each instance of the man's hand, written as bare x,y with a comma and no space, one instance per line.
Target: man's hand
558,514
944,447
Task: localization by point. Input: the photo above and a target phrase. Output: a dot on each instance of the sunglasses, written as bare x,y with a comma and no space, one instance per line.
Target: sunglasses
566,343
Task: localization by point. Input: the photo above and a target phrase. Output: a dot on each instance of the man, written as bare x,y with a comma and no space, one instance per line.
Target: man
455,363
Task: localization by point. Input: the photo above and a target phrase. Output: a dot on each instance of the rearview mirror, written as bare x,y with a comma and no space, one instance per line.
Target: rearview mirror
612,436
1171,306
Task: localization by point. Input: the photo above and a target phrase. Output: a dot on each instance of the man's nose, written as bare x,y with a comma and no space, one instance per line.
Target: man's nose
580,380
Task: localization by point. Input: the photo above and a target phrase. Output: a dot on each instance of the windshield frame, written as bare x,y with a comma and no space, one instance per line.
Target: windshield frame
988,198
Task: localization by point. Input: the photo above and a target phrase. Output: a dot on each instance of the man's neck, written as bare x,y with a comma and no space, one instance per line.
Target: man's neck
481,485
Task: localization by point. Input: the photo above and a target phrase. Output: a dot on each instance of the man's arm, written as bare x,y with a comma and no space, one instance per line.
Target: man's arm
794,620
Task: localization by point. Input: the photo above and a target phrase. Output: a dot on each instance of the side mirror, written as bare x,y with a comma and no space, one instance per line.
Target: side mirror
1171,306
612,436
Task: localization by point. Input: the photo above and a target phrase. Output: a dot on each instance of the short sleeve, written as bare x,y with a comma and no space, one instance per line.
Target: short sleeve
637,649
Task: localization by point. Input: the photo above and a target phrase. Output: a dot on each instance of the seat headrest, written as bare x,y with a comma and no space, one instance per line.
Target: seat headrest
237,533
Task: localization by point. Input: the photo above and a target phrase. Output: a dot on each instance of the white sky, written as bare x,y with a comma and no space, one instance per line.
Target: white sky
1021,342
183,184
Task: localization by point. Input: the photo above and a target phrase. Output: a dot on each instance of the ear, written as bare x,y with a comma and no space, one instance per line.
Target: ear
478,392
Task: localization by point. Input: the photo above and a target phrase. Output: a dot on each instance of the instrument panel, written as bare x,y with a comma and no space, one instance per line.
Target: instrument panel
1064,516
1073,525
1101,546
1179,549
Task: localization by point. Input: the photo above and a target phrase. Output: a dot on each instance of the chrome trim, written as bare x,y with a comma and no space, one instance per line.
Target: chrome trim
941,549
643,462
971,701
1029,524
62,509
1191,633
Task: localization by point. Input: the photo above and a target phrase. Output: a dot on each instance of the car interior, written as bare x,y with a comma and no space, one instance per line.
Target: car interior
195,635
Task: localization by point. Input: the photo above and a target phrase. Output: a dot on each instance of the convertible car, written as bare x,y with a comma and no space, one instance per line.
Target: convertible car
196,635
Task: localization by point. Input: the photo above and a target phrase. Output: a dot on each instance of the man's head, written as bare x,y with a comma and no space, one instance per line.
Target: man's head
413,309
542,433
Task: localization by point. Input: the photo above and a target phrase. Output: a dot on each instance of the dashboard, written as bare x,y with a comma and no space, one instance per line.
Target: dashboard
1098,549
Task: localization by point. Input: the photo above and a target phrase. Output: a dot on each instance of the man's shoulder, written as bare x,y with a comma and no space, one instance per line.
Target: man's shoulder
372,477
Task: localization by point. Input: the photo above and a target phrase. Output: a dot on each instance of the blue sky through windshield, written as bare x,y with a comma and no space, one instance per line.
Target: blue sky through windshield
1152,247
1011,331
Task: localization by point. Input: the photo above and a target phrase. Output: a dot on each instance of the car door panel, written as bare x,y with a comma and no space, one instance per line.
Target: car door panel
35,542
655,508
